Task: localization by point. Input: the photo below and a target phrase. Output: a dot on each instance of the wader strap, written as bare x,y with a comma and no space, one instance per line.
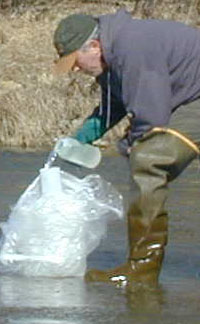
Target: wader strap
179,135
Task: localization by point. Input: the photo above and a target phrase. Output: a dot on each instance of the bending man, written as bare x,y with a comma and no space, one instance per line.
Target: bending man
146,69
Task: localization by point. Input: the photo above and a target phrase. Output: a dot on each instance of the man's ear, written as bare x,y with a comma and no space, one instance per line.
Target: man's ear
95,43
95,46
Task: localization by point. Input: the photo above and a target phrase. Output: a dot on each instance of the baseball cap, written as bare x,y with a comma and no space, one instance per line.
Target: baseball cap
72,32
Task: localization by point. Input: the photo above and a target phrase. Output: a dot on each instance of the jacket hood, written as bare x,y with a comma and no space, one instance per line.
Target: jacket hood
109,26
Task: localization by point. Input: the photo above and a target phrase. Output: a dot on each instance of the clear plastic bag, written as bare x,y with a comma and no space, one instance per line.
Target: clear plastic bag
55,225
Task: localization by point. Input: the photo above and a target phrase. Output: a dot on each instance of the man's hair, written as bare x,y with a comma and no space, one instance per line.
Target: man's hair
94,35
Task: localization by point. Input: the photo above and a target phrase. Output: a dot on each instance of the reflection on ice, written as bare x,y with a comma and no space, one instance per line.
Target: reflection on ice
41,321
41,292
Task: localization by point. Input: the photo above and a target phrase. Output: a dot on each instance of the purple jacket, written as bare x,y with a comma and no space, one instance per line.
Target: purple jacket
154,67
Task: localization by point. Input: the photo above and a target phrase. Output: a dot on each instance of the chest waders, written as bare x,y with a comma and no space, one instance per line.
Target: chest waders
156,159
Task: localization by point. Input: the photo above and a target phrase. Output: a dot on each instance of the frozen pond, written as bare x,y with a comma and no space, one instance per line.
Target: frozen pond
72,301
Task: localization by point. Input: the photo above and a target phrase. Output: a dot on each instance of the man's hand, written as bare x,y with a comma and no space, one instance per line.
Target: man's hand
91,130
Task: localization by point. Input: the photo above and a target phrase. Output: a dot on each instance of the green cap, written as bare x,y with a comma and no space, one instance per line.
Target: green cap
72,32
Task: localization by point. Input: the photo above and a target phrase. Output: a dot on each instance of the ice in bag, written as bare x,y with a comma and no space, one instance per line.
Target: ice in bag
56,223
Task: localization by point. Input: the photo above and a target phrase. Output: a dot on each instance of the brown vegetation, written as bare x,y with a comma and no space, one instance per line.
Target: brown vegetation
35,106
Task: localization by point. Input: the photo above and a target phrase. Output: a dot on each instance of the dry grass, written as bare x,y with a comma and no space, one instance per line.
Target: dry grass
35,106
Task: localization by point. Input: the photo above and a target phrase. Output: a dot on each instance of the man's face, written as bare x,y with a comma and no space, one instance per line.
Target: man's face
90,60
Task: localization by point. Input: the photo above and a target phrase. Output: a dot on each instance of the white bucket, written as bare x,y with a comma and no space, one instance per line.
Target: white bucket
82,154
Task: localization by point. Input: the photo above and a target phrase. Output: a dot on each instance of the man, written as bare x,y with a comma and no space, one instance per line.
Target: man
146,69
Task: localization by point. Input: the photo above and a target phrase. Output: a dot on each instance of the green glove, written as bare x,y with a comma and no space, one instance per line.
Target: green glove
92,129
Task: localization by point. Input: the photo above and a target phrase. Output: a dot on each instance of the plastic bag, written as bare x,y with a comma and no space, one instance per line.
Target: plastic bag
56,223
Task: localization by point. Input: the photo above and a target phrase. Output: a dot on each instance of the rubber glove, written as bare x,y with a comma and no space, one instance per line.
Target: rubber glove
92,129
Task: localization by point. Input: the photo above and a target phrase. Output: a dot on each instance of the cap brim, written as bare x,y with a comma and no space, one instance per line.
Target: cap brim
65,63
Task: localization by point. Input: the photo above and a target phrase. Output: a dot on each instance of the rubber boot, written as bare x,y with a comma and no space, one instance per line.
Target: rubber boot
156,159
